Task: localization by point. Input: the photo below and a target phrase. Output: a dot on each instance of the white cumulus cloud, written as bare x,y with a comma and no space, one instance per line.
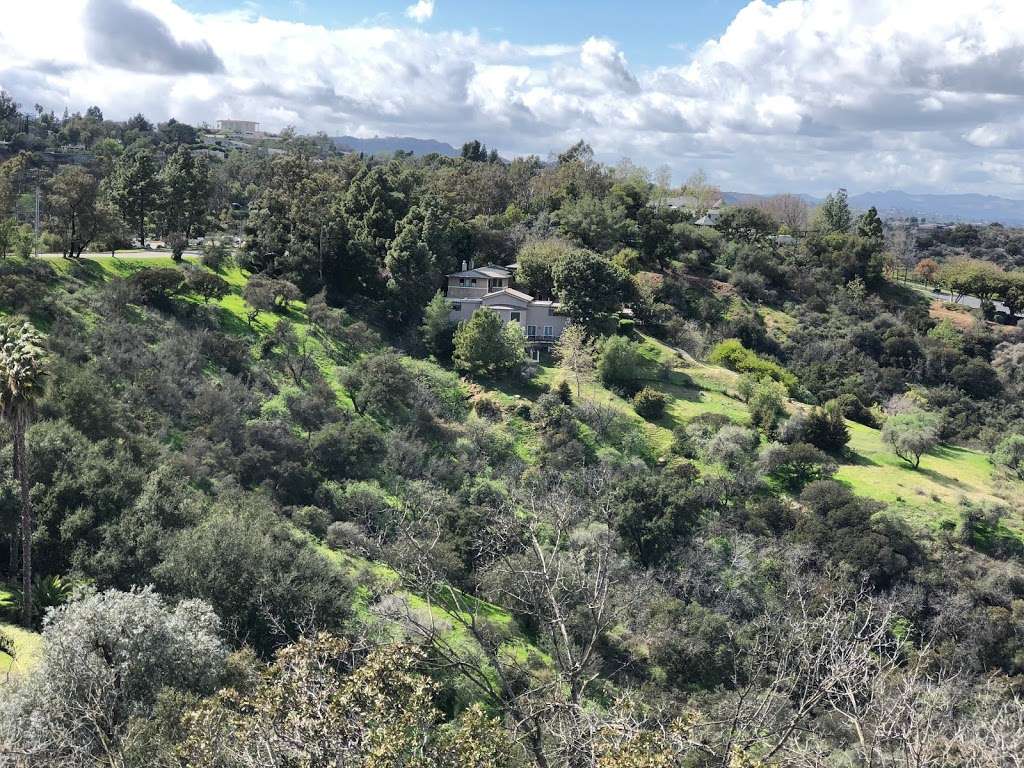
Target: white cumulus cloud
804,94
420,11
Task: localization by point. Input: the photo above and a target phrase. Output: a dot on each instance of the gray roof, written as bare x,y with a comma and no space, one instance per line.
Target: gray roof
511,292
488,271
681,201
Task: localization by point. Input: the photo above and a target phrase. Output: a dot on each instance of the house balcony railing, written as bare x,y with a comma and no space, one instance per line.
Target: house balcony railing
538,338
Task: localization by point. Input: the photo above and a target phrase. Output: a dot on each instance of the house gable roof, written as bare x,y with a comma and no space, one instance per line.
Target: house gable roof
508,294
489,271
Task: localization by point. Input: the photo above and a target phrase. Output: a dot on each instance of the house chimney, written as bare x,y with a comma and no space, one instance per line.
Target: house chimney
463,265
471,264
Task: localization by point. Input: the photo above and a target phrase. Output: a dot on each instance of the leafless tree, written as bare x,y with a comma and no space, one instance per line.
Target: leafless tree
789,210
903,247
552,559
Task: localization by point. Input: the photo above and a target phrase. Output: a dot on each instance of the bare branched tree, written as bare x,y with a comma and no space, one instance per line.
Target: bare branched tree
552,558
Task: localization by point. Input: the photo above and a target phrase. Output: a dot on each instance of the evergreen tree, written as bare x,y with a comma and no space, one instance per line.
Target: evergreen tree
485,345
186,189
23,371
835,213
412,276
870,226
438,331
135,188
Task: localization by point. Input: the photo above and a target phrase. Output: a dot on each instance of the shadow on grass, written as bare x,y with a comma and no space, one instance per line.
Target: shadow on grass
949,452
88,271
940,479
859,460
531,389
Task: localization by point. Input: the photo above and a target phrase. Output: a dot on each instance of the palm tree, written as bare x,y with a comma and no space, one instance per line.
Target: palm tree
22,373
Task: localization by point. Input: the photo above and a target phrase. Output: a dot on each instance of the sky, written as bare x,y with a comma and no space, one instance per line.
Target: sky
790,95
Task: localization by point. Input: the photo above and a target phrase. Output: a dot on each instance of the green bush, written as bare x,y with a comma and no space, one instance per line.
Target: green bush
649,403
484,345
733,355
487,407
564,392
619,364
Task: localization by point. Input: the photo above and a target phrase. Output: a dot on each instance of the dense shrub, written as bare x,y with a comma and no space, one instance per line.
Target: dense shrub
844,529
733,355
796,465
653,515
266,582
487,407
620,364
823,427
650,403
352,448
733,446
105,661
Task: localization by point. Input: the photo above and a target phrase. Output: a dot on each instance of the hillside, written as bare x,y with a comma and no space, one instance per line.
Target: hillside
388,145
926,496
628,476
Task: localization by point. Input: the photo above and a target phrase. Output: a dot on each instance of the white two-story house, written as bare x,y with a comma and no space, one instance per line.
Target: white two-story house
491,287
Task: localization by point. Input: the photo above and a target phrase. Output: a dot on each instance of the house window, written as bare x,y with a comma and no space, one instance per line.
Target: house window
456,307
472,281
531,330
462,281
548,331
535,353
515,317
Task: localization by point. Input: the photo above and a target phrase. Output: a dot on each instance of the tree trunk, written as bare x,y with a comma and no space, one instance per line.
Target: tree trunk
21,472
12,563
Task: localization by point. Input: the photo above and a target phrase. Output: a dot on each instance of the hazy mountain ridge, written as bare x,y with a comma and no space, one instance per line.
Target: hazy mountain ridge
390,144
970,207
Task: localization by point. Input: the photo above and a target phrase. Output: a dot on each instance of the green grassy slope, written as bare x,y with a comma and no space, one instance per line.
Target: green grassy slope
925,497
27,646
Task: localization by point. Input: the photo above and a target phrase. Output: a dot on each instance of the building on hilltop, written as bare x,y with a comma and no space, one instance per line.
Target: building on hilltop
692,205
491,286
238,126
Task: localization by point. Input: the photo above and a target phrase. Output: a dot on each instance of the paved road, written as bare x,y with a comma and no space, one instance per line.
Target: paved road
967,301
132,254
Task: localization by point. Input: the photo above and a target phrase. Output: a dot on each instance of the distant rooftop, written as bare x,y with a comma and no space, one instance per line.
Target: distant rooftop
488,271
238,126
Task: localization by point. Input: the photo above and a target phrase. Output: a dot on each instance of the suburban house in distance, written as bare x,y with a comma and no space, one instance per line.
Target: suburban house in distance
691,204
248,127
490,286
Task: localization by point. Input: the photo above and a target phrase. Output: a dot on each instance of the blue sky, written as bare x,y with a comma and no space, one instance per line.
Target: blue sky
793,95
650,32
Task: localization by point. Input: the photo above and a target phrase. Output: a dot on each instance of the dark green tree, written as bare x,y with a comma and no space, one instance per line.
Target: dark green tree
438,331
591,288
870,226
413,279
135,188
654,515
835,213
185,180
484,345
73,208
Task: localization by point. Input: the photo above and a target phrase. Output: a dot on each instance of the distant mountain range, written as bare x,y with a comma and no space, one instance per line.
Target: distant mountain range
386,145
982,209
